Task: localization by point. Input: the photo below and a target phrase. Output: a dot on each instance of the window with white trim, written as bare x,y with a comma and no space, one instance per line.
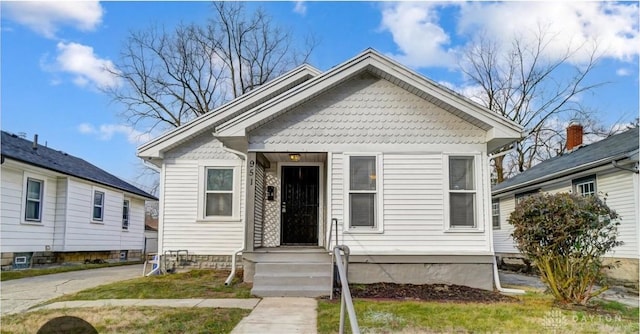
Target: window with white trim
462,192
33,200
585,186
362,191
495,214
98,205
125,214
219,192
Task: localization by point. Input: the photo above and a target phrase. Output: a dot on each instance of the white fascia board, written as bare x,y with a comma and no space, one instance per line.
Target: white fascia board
153,148
555,177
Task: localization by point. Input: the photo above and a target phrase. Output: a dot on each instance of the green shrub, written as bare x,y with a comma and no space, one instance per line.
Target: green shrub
565,237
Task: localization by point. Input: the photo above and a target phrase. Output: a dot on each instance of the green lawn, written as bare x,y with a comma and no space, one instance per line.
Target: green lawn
15,274
533,313
202,283
134,319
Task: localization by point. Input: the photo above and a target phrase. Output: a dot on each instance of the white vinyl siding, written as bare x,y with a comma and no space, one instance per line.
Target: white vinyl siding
413,210
17,234
181,225
621,195
108,235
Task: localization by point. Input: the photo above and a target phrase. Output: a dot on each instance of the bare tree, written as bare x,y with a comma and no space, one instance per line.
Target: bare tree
536,91
171,77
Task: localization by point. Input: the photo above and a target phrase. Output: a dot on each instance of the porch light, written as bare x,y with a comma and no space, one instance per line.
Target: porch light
295,157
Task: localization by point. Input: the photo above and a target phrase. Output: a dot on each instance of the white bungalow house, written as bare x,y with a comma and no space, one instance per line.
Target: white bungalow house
57,208
607,168
368,154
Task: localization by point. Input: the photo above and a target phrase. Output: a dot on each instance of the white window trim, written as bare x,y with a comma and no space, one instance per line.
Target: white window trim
575,183
497,202
379,226
104,201
479,193
203,165
23,199
128,202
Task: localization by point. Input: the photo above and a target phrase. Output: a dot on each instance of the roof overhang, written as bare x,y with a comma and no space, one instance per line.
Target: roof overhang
591,167
500,131
154,149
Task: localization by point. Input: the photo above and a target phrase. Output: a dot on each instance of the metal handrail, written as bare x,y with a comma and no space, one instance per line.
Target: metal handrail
334,222
345,296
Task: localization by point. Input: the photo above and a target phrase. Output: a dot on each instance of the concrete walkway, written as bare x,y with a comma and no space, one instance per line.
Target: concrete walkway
247,304
269,316
276,315
21,294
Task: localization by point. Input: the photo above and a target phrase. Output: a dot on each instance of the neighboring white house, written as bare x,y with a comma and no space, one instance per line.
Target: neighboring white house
398,162
59,208
607,168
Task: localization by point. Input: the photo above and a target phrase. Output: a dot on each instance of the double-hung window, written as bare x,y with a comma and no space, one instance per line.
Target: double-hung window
462,192
363,192
585,186
33,204
495,214
98,205
219,195
125,214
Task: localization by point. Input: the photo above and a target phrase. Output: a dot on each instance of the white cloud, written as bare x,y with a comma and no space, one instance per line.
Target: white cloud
300,8
417,33
612,27
422,40
107,131
46,17
623,72
86,67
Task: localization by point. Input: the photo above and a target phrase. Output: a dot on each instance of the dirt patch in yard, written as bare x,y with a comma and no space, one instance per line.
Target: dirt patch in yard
427,292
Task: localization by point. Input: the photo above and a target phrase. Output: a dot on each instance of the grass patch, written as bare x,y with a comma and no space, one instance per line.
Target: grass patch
134,319
201,283
533,313
24,273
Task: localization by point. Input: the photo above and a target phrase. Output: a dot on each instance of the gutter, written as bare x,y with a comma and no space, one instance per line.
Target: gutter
634,169
557,174
244,157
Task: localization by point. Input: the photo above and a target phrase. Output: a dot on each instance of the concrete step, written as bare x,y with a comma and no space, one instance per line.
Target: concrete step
291,267
290,292
292,279
289,257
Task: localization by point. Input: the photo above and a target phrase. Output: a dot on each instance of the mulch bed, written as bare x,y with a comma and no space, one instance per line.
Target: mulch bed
427,292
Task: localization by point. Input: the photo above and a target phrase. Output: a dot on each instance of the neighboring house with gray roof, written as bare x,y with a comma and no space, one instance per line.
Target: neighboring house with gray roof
59,208
608,167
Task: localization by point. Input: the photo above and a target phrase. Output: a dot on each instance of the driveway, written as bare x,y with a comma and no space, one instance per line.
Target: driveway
21,294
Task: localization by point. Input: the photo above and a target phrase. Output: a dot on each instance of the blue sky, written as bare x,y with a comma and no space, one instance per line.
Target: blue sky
54,53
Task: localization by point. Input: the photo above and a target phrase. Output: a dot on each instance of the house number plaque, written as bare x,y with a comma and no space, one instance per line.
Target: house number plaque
252,172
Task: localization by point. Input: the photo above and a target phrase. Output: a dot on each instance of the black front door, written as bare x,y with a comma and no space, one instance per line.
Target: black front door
300,205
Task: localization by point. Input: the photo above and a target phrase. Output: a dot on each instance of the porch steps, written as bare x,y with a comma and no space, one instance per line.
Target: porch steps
281,274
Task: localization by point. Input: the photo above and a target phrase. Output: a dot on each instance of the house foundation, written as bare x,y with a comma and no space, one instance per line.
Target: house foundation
23,260
472,271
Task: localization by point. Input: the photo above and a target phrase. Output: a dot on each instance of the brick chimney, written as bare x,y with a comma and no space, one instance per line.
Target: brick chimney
574,136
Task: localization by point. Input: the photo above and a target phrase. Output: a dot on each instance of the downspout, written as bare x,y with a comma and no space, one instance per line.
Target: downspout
244,157
496,276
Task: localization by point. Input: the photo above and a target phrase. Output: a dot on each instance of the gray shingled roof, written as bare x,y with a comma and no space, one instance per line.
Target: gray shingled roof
20,149
612,148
